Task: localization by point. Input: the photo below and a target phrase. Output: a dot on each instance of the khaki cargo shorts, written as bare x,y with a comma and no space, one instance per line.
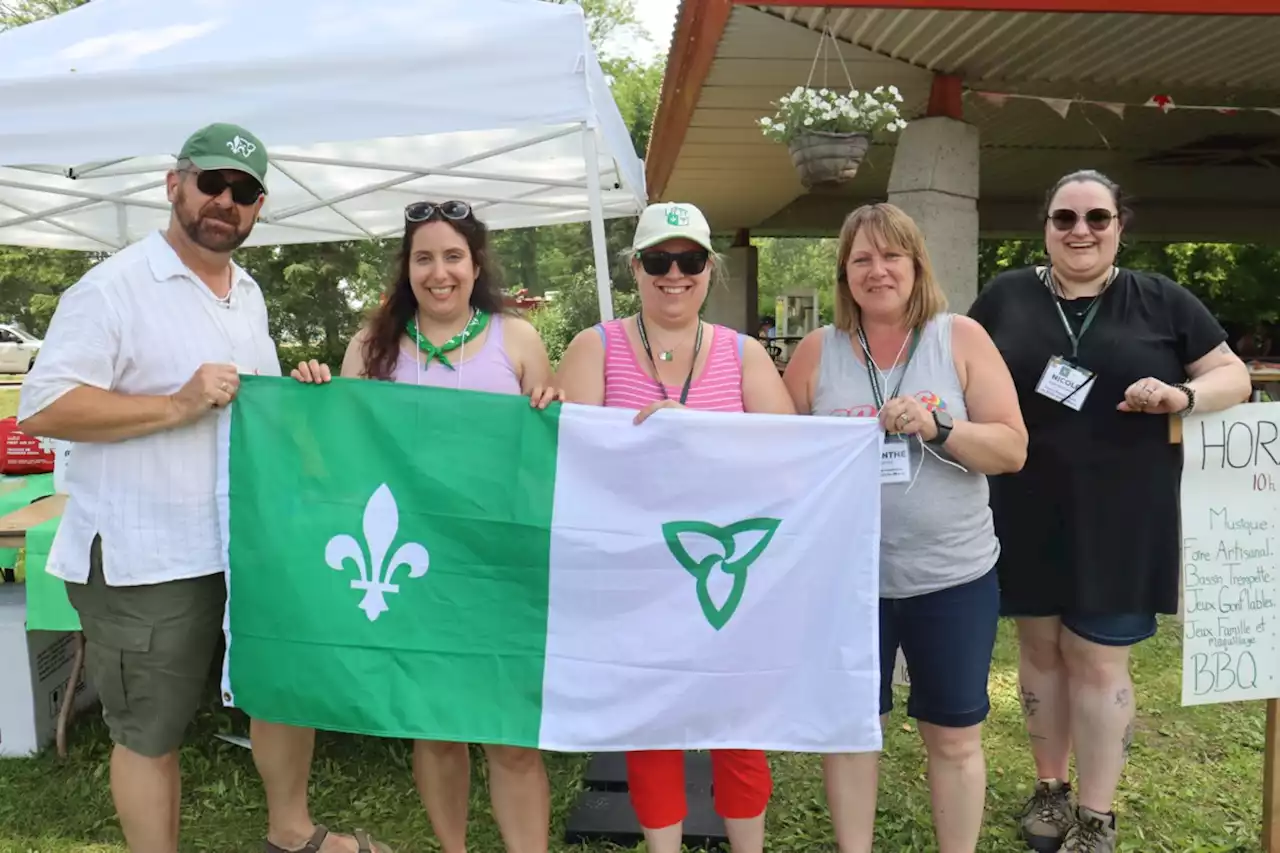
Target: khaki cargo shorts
148,652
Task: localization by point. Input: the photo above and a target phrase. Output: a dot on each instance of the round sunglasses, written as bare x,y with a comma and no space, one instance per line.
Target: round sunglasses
657,263
1098,219
421,211
244,191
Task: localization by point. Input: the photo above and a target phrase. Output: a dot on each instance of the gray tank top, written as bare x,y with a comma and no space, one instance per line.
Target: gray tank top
940,534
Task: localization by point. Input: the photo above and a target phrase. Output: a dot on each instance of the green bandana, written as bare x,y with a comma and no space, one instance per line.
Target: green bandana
474,326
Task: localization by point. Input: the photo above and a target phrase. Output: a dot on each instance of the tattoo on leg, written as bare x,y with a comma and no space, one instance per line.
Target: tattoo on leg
1029,703
1127,741
1124,698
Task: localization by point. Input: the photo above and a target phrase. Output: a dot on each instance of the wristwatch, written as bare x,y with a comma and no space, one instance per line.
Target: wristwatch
943,422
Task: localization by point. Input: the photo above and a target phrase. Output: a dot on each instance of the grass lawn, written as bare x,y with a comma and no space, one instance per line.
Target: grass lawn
1194,782
8,402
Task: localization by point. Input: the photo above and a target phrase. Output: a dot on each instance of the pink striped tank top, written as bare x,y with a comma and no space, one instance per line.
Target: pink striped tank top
718,388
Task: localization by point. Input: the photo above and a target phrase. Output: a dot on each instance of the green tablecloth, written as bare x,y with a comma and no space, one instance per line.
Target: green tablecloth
15,493
47,606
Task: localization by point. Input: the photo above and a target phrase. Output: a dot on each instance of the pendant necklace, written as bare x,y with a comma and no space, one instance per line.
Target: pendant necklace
663,355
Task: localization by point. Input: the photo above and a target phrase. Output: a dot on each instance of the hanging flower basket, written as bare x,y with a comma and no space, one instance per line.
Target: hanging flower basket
829,133
822,158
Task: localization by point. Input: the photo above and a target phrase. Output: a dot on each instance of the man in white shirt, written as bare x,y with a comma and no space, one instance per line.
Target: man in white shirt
141,359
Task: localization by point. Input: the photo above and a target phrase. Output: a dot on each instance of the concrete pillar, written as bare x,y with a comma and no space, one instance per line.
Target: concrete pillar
935,180
733,301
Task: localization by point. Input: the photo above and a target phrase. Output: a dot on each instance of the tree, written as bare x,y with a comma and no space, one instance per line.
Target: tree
16,13
606,18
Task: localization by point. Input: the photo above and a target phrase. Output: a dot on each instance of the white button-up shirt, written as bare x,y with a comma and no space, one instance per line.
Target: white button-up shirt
142,323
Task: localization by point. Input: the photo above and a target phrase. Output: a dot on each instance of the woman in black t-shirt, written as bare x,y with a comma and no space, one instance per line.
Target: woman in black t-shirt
1089,527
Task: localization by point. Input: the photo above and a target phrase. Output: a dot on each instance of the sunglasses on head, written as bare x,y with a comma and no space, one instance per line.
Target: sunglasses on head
657,263
421,211
244,191
1097,219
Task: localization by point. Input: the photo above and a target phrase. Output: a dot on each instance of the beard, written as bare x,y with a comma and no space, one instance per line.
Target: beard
202,230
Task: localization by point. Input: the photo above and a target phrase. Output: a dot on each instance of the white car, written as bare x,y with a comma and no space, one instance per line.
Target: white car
17,350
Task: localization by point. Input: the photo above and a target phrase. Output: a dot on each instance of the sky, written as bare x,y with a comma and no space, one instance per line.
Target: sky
658,17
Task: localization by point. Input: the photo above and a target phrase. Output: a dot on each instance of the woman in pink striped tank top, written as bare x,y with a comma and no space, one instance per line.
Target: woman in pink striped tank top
443,323
666,357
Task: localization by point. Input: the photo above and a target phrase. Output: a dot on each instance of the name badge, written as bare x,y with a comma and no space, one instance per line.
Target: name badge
895,460
1065,383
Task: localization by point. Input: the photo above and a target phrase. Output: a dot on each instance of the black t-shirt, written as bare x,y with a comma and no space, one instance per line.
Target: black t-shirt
1090,523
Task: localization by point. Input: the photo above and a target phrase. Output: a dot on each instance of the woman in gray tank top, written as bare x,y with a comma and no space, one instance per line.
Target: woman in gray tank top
942,393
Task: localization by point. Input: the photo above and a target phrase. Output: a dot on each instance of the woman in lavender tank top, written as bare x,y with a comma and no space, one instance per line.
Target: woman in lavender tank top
443,323
666,357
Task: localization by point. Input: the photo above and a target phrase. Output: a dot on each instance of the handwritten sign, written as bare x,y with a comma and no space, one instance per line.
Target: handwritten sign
1231,555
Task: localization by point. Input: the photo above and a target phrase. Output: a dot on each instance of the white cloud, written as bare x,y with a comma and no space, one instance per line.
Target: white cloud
658,19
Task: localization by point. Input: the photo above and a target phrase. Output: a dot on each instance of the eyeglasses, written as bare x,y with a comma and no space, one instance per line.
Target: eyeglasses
421,211
1098,219
244,192
691,262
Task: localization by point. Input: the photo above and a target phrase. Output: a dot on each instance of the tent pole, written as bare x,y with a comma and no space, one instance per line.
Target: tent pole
604,289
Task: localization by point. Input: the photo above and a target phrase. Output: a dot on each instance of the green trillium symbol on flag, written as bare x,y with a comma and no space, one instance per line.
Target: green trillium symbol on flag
381,523
718,545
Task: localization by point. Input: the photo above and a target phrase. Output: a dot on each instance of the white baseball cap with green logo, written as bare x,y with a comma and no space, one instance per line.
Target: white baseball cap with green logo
671,221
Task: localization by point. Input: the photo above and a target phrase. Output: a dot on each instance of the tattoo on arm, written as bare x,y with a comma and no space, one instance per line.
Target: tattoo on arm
1224,348
1029,703
1124,698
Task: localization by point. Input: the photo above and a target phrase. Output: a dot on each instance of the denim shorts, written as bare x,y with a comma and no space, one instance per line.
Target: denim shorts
1112,629
947,638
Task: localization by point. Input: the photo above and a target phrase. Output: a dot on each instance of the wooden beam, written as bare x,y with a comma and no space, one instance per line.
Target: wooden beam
693,49
946,97
1129,7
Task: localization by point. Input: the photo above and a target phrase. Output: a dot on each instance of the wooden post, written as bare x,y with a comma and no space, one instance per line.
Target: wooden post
1271,781
1271,752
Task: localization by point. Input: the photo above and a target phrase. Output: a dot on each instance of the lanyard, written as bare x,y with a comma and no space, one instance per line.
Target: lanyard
697,348
873,370
1047,277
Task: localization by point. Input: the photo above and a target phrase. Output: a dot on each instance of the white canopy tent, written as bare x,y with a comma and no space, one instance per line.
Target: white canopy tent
363,105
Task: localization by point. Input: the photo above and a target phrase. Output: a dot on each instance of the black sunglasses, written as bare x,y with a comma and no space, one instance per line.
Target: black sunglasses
1097,219
245,191
691,262
421,211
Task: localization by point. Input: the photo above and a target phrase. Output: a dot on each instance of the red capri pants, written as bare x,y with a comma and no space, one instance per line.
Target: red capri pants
740,782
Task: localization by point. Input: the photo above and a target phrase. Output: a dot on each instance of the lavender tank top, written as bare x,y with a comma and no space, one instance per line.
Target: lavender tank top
486,370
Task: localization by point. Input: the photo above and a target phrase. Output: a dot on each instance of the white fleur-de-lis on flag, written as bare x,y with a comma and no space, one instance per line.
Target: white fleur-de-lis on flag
381,523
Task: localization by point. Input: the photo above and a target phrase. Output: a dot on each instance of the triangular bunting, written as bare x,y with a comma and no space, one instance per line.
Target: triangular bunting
1059,105
996,99
1162,102
1113,107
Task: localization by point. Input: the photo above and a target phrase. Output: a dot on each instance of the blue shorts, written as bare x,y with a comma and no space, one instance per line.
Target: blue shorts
947,638
1112,629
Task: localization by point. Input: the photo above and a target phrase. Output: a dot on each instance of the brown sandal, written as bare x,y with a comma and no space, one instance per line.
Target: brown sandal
364,843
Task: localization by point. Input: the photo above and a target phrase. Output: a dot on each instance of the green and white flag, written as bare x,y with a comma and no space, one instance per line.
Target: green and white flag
451,565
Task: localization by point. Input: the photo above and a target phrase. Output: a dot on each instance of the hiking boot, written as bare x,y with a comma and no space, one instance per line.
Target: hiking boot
1047,816
1093,832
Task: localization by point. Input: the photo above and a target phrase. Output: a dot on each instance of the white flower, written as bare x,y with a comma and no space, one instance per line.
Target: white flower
808,122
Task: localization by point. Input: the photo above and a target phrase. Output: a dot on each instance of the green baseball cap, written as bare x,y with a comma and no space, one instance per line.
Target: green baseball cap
227,146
